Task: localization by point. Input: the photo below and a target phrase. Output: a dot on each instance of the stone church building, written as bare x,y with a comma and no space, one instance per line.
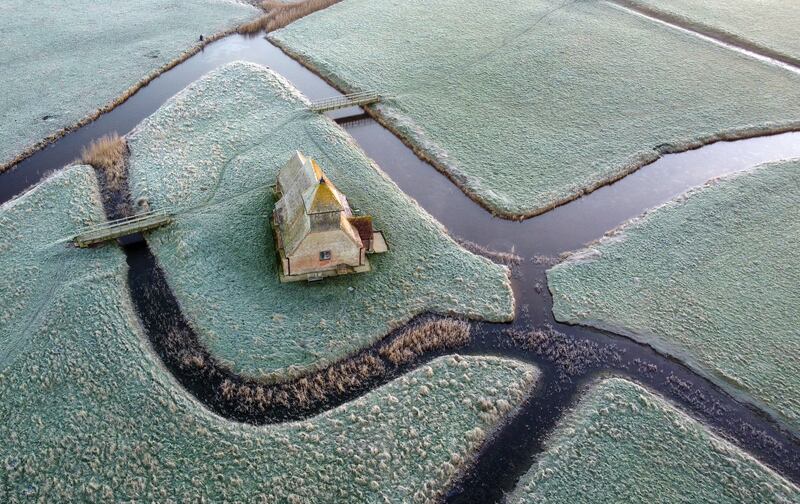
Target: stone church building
316,233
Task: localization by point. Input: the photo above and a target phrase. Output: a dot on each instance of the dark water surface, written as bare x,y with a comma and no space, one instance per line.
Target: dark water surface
597,353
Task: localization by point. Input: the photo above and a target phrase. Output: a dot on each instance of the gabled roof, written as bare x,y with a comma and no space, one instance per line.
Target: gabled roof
307,191
322,198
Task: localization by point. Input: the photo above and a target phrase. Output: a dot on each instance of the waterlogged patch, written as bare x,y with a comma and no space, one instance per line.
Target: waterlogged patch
212,154
623,443
531,104
711,276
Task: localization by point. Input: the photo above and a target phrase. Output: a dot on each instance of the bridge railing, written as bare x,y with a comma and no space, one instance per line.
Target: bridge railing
348,100
117,228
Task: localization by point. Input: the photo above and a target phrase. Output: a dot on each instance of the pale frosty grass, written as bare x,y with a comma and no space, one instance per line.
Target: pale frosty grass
35,230
623,443
89,414
212,152
774,24
530,104
710,277
62,61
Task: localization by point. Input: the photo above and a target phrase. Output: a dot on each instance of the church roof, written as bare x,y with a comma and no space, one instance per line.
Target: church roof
322,198
307,191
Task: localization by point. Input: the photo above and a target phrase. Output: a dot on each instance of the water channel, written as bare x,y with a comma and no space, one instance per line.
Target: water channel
513,449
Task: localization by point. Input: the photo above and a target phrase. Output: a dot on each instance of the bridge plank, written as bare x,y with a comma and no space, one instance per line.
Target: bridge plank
344,101
118,229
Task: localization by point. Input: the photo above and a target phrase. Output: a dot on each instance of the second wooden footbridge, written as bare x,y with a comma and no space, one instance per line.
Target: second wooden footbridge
349,100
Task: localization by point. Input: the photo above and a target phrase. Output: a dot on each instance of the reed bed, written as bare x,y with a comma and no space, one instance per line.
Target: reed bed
505,258
107,155
251,396
305,392
280,14
570,355
426,337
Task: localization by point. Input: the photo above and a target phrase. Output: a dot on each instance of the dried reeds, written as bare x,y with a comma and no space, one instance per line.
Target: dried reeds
425,337
107,155
280,14
305,392
571,356
505,258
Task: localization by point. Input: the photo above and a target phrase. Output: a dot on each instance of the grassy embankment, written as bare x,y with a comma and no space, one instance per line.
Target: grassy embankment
213,151
528,105
768,28
623,443
710,277
138,39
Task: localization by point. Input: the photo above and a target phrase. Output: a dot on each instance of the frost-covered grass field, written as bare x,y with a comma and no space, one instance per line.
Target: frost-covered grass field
528,104
213,152
36,260
61,61
774,24
623,443
89,414
711,277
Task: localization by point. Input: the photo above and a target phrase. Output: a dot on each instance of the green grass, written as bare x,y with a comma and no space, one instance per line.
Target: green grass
528,104
710,277
623,443
61,61
773,24
213,151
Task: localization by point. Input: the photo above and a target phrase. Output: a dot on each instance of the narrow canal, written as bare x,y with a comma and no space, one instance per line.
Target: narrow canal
570,358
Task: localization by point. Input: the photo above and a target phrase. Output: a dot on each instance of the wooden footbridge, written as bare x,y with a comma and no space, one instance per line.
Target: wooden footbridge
344,101
111,230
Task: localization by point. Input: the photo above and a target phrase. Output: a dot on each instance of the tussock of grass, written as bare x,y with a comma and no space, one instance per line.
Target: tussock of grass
422,338
280,14
107,155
